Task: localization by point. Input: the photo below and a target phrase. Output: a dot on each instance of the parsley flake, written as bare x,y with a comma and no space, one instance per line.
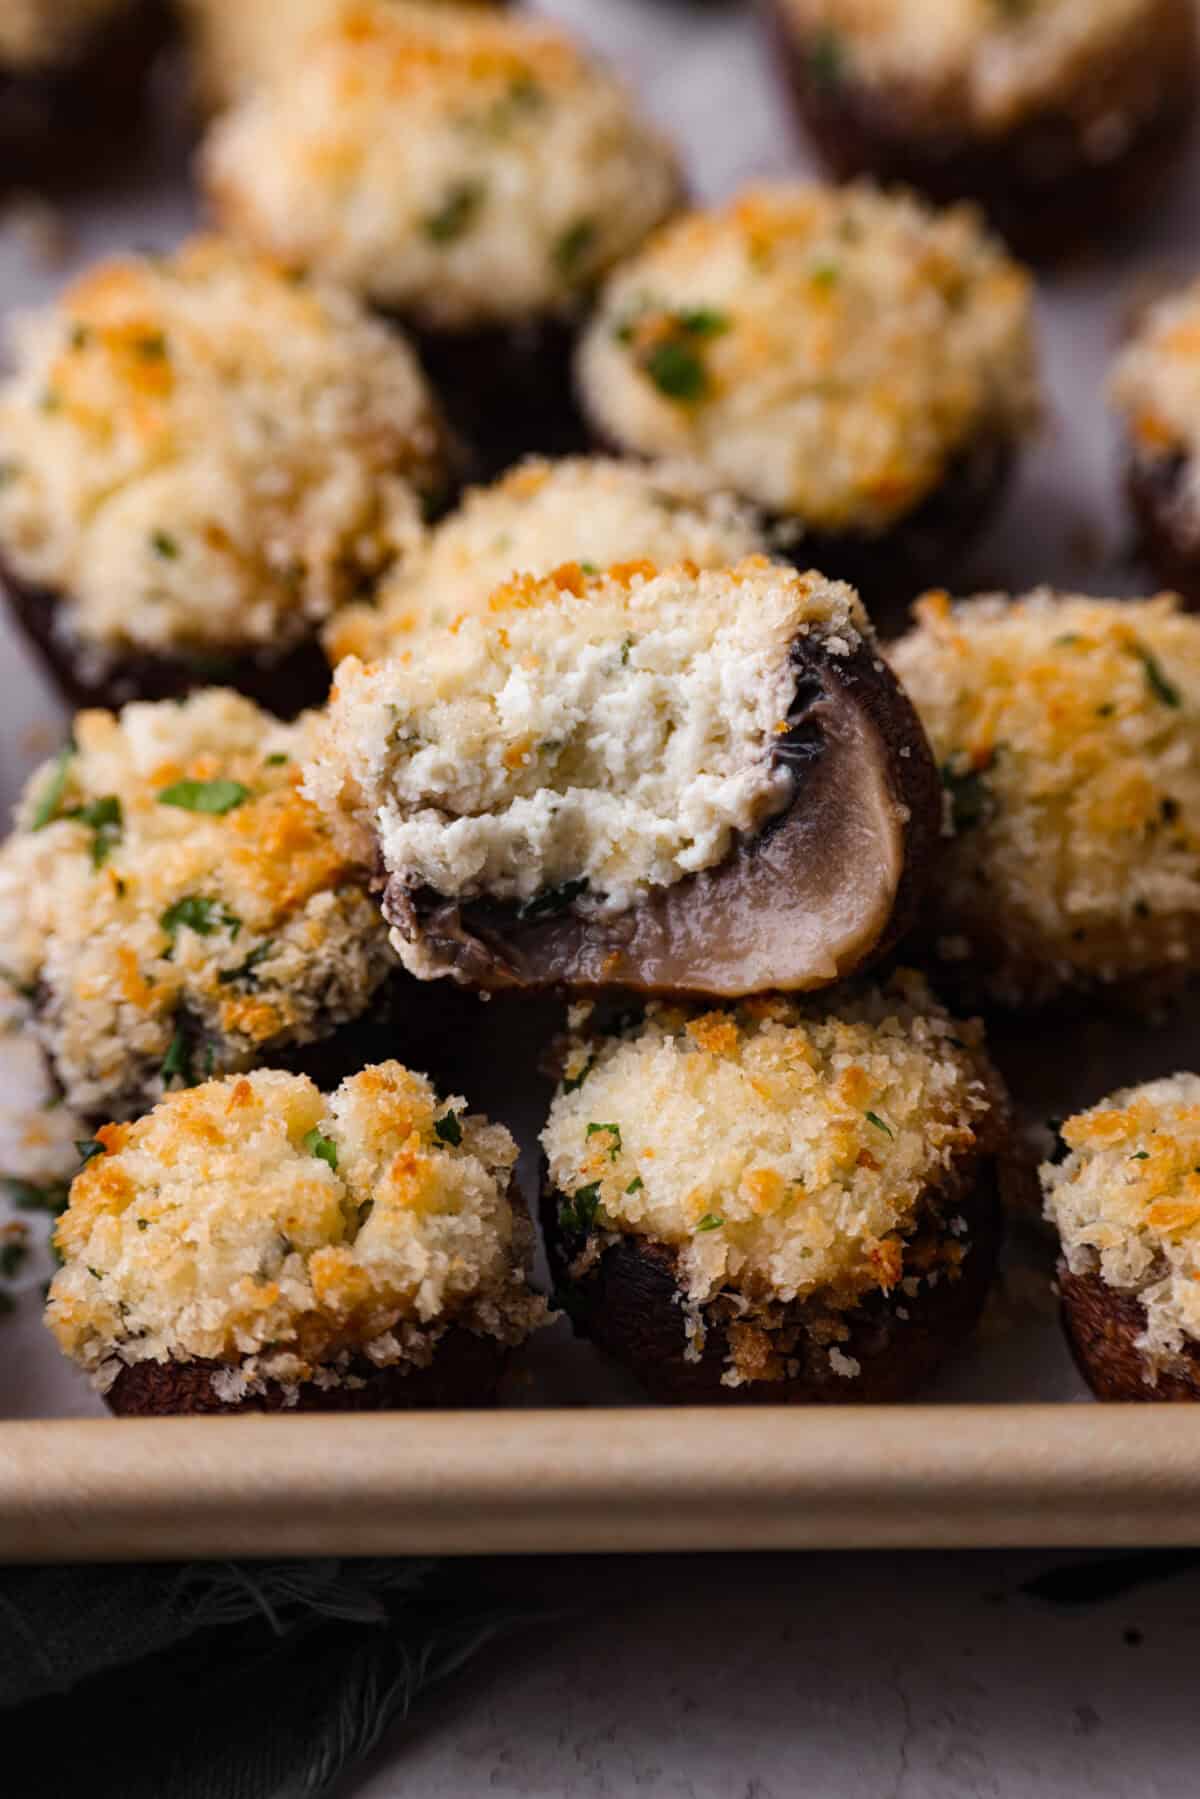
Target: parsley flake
636,1184
710,1222
878,1122
572,247
1160,687
324,1148
573,1083
213,797
448,1129
89,1148
46,810
457,213
196,912
579,1213
613,1131
164,545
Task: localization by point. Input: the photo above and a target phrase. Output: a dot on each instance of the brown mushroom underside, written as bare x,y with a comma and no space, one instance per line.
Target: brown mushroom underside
628,1304
1167,523
825,888
464,1374
285,684
1102,1328
1043,183
68,124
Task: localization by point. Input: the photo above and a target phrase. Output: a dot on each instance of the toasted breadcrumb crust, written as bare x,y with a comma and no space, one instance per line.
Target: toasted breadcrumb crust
782,1148
592,510
1068,733
1126,1204
597,736
44,34
256,1222
1155,388
236,47
200,453
827,352
162,939
465,169
990,63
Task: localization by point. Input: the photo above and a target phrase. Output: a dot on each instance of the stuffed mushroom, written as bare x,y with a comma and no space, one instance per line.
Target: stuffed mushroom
593,511
1067,731
73,79
1125,1201
1059,116
256,1245
474,176
853,363
201,460
671,782
1156,391
781,1201
172,907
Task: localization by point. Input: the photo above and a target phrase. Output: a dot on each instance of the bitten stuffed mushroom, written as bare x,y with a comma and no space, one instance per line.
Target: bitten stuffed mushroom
471,174
849,361
200,461
671,782
1057,115
173,907
73,75
780,1201
588,510
1126,1204
255,1245
1156,392
1068,735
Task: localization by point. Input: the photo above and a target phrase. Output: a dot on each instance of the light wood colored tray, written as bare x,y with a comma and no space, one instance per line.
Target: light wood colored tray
1008,1451
570,1481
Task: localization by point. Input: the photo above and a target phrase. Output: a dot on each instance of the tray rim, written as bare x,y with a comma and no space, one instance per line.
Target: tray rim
585,1480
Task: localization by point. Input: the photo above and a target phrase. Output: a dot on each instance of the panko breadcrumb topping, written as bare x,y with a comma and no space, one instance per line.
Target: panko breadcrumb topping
1126,1203
591,510
464,168
1068,733
236,46
291,1236
782,1148
199,453
827,352
44,34
1156,389
593,737
174,907
992,63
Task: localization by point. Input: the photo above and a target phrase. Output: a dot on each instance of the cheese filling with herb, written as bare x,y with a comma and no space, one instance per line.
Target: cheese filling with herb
829,353
174,907
781,1148
290,1235
43,34
993,62
593,738
591,510
1156,390
1126,1204
1068,733
466,169
199,454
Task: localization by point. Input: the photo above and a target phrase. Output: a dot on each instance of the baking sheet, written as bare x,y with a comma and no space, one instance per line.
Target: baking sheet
705,74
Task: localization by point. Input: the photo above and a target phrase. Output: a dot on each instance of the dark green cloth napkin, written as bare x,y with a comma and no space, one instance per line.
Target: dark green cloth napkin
219,1681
